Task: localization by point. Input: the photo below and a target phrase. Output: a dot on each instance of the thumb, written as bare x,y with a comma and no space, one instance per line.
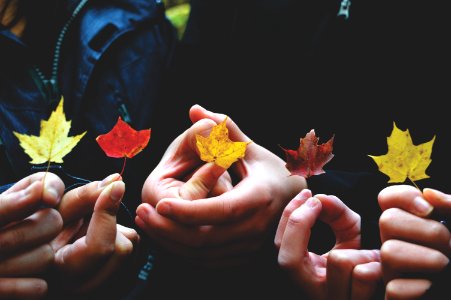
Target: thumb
102,228
202,182
197,113
185,144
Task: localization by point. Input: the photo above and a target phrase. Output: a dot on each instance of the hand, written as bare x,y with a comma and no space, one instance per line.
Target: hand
26,229
224,229
92,246
342,273
407,235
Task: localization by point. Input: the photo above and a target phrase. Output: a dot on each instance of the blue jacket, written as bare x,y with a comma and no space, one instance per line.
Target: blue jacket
113,60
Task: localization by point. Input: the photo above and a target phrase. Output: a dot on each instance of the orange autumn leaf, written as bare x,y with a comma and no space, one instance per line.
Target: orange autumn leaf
218,148
309,158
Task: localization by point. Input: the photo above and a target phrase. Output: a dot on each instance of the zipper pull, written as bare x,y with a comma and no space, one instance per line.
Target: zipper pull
52,91
344,9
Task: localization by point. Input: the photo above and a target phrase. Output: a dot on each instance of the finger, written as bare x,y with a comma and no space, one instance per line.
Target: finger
406,289
123,249
197,113
79,202
440,201
179,160
397,224
365,279
223,185
203,254
199,236
202,182
400,257
129,233
34,261
405,197
89,251
344,222
293,247
22,288
297,201
224,208
102,228
39,228
52,191
340,266
66,235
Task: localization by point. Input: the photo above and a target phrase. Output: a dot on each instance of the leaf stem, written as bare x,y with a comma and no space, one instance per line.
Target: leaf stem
413,182
123,166
43,178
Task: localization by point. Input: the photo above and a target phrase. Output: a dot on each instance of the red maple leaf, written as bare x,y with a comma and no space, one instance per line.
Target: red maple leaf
123,141
309,158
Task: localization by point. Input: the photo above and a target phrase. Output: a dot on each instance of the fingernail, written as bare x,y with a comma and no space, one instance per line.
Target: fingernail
51,191
140,212
312,202
109,179
116,191
422,207
164,208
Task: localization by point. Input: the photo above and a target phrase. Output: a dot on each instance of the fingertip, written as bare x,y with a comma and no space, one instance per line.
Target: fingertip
113,195
143,211
436,196
53,190
304,194
164,208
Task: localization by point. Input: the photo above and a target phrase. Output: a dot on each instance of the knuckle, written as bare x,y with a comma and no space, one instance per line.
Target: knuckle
387,250
48,254
438,231
387,217
286,262
52,216
338,258
125,249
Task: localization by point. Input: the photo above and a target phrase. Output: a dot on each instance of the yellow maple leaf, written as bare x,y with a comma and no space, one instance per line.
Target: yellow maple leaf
218,148
53,142
404,159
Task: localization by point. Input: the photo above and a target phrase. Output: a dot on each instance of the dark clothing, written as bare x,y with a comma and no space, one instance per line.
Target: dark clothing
242,59
280,68
113,62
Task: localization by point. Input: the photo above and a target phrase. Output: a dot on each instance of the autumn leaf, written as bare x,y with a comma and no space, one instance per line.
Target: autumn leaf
53,142
404,159
309,158
123,141
218,148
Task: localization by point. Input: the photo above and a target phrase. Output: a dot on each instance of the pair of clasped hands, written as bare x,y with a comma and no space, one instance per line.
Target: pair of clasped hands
194,210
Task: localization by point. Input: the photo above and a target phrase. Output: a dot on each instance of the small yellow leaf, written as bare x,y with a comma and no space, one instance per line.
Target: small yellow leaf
218,148
53,142
404,159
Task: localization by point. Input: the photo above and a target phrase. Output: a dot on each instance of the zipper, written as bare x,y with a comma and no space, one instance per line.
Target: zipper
49,87
345,5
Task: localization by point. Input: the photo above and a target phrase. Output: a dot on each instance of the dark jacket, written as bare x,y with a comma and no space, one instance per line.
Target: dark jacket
279,68
113,62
